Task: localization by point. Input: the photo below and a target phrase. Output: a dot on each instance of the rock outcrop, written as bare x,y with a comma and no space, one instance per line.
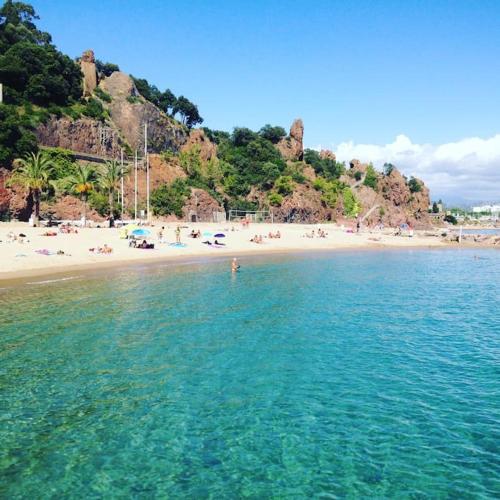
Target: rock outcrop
14,201
200,206
68,208
326,154
292,147
88,67
129,112
395,203
84,135
208,149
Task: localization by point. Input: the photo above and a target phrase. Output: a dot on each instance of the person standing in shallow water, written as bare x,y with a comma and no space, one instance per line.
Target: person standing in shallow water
235,266
178,234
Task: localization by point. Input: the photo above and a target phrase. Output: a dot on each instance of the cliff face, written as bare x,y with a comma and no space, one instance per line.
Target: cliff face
197,137
130,112
403,206
84,135
392,202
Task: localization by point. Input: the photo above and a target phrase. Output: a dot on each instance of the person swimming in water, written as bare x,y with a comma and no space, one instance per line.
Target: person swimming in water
235,266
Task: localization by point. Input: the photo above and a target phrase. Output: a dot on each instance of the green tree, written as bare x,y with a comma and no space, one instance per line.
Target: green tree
167,102
150,92
188,112
81,182
414,185
330,190
273,134
284,185
326,167
109,177
16,137
170,199
275,199
371,177
451,219
242,136
31,68
106,69
94,109
435,208
34,173
388,168
351,205
191,162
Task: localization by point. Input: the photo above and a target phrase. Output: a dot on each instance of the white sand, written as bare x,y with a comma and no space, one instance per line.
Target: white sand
20,260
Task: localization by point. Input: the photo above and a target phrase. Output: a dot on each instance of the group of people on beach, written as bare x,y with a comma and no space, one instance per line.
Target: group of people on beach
316,234
18,238
258,238
105,250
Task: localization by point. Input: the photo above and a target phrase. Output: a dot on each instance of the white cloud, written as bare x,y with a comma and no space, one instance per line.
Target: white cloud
467,170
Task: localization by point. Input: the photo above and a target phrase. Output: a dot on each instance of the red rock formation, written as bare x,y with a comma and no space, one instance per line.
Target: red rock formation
68,208
84,135
327,154
129,112
208,149
87,65
200,206
14,201
399,205
291,147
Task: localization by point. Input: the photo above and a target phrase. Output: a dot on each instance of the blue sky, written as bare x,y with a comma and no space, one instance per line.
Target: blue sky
357,72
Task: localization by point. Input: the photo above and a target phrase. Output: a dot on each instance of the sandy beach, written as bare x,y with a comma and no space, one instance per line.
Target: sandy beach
24,259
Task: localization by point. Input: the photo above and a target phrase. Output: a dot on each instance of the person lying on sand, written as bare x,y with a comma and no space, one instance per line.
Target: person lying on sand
102,250
145,245
220,244
49,233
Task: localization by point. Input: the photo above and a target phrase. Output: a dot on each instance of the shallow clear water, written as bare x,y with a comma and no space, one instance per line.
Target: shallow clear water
370,374
491,231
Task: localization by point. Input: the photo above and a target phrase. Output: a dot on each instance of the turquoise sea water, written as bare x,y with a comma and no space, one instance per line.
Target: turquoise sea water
492,231
369,374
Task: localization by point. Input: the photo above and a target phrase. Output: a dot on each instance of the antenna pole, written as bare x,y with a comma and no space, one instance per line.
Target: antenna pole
146,159
135,187
122,190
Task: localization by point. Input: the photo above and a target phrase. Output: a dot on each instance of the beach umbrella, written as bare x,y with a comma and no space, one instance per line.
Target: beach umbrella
141,232
220,235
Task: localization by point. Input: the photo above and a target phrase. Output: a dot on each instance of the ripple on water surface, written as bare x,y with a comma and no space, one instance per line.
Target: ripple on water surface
346,374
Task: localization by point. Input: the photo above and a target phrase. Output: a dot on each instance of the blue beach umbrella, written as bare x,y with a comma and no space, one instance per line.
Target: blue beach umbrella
220,235
141,232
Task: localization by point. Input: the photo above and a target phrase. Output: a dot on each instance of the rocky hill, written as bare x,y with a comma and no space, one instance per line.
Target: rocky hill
194,172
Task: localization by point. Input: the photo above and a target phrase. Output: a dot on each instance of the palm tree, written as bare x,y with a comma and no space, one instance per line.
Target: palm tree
109,178
33,172
82,183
